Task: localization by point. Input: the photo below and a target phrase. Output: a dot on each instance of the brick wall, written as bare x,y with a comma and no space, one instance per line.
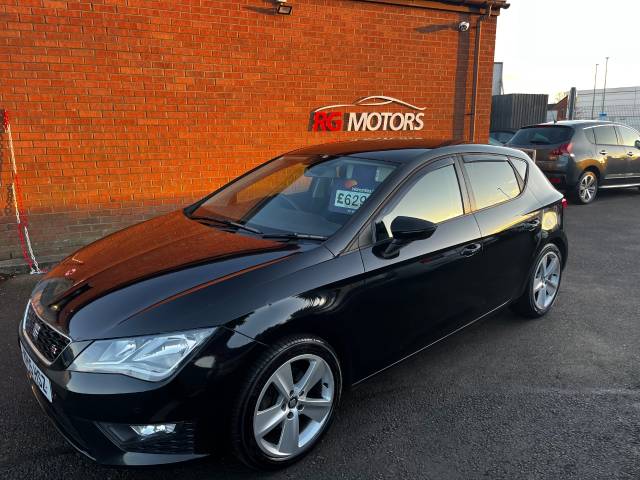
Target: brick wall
123,109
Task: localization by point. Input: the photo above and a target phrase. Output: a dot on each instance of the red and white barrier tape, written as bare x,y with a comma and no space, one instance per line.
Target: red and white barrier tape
21,216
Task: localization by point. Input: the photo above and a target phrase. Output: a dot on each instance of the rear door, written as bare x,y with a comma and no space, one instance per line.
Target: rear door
614,155
629,140
510,222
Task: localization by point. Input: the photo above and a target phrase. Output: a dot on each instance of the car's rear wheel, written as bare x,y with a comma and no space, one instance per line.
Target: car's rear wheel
288,402
542,289
587,188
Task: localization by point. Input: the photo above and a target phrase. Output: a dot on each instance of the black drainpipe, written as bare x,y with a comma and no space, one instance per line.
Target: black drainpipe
476,73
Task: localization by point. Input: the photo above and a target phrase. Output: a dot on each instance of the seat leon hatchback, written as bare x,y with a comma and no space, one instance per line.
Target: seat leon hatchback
240,320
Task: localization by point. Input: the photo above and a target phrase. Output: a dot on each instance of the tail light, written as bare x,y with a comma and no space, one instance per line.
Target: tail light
564,203
564,149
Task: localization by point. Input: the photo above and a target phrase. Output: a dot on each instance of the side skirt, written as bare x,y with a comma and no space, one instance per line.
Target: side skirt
490,312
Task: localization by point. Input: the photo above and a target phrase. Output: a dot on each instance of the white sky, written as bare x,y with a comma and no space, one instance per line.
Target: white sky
549,46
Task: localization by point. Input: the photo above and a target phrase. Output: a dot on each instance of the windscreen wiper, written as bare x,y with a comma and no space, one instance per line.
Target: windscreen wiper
294,236
228,223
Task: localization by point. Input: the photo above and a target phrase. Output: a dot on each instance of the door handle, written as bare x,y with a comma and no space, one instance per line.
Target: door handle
471,250
603,152
630,154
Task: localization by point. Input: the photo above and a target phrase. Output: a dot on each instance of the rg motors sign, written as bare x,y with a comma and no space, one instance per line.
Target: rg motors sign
335,118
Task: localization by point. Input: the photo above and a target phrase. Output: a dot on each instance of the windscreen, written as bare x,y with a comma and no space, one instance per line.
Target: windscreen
546,135
313,195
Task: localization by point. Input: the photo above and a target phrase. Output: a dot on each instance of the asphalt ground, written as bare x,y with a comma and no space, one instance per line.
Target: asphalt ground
556,398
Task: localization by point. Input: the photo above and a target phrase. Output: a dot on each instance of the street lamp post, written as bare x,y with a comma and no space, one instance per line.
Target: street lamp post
604,91
593,104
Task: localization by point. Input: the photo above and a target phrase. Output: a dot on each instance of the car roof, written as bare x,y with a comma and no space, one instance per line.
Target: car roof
573,123
397,149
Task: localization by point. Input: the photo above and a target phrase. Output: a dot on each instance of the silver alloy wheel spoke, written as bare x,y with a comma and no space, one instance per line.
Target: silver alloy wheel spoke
290,438
267,420
295,412
283,380
311,376
546,280
315,409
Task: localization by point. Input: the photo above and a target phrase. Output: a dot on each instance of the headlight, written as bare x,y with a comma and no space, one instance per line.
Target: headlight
152,358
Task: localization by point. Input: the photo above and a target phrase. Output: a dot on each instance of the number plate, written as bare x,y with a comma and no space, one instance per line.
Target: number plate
39,378
349,199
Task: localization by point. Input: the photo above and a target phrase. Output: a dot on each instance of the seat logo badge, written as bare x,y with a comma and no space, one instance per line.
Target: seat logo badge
36,331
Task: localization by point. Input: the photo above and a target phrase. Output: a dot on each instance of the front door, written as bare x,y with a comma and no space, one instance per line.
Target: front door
432,285
608,149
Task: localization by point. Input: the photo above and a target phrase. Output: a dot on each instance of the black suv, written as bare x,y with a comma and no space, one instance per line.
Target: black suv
581,156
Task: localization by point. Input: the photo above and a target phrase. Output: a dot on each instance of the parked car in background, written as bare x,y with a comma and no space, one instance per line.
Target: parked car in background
240,319
500,137
583,156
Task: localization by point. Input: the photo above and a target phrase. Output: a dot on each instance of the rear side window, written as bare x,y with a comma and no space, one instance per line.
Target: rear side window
492,182
547,135
591,136
606,135
629,136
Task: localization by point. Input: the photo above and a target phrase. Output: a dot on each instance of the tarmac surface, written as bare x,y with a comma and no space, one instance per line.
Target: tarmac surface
506,398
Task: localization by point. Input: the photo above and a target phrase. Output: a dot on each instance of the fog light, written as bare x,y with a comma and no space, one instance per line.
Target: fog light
146,430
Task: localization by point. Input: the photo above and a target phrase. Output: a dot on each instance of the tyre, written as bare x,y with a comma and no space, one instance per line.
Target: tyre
542,288
587,188
287,403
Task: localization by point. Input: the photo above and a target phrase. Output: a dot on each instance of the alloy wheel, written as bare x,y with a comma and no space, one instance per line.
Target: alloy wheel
587,188
294,406
546,280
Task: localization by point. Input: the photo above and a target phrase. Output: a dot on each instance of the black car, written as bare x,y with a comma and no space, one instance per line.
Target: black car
243,317
581,156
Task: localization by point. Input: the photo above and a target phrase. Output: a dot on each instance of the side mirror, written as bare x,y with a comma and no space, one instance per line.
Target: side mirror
638,144
404,231
409,228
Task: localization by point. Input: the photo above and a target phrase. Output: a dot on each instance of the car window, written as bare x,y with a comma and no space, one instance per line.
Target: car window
296,193
591,136
435,197
492,182
606,135
544,135
521,166
629,136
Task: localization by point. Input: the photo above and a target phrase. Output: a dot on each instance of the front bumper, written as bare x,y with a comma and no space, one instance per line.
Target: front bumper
87,407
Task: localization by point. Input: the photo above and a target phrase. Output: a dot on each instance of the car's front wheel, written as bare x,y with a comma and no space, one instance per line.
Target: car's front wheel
543,285
287,403
587,188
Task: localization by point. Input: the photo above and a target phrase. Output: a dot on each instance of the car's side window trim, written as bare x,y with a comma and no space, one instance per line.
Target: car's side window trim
521,181
489,157
615,131
411,177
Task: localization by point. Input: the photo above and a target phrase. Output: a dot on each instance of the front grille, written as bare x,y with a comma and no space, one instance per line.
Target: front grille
47,341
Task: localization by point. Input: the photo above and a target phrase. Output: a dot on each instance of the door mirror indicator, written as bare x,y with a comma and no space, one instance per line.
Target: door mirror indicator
405,230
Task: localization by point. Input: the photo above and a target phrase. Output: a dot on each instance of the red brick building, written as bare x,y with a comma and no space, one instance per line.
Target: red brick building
123,109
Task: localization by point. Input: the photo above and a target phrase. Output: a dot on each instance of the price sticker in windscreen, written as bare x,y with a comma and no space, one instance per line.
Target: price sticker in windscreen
349,196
